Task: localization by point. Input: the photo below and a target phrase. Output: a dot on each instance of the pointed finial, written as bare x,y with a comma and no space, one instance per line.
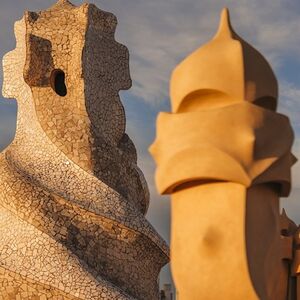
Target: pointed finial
62,3
283,213
225,28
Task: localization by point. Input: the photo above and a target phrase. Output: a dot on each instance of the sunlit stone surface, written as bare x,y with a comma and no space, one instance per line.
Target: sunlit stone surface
73,201
224,154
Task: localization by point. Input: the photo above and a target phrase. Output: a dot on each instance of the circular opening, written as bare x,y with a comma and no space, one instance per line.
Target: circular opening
58,82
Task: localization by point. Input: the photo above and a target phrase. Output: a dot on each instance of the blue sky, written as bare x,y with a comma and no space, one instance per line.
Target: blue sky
159,34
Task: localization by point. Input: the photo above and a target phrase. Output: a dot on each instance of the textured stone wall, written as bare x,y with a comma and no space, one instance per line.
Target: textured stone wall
72,198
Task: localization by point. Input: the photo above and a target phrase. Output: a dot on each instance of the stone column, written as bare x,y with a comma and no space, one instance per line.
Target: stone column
224,156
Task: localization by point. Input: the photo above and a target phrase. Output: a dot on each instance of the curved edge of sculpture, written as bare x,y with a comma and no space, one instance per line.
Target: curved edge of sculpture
243,81
232,150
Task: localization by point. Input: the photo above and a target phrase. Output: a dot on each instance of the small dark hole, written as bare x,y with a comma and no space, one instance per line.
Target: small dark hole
58,82
267,103
284,232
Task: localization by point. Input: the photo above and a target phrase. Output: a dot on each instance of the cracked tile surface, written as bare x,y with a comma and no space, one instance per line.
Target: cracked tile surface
72,198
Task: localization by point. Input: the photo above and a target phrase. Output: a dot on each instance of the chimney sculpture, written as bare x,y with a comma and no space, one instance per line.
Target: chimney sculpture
73,201
224,155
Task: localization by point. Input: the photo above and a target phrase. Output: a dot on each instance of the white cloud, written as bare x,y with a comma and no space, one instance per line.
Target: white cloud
161,33
289,102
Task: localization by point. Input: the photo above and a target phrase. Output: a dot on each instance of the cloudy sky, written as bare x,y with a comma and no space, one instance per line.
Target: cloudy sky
159,34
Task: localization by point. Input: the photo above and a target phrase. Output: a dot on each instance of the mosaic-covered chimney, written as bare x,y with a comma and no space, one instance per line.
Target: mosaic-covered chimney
73,200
